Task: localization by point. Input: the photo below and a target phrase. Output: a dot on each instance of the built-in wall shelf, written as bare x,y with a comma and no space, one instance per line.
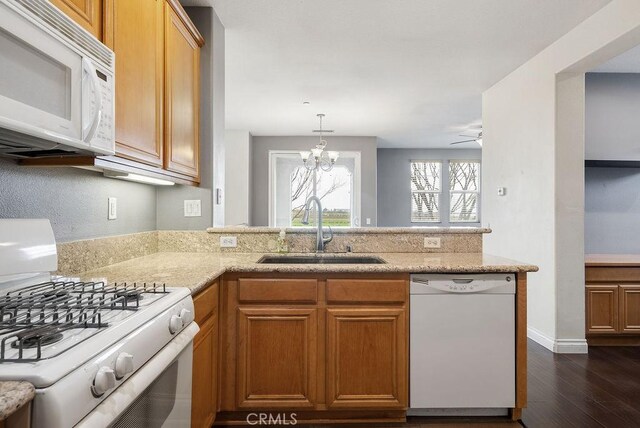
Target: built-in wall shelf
612,164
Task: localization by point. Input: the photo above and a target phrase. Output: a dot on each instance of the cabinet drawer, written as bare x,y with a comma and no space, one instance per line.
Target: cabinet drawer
205,303
366,290
263,290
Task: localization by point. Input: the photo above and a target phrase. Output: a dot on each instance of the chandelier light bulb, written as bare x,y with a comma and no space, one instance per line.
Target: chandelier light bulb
305,155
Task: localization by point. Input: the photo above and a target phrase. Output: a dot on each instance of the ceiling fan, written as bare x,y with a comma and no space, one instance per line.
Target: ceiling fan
476,138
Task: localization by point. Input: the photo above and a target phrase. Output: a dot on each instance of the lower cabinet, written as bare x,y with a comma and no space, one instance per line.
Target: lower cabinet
602,309
204,397
613,311
629,309
366,358
332,347
277,351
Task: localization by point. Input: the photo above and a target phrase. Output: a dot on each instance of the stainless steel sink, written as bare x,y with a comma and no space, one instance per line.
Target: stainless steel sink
328,260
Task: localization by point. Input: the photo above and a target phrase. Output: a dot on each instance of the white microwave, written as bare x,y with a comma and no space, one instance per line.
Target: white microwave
56,84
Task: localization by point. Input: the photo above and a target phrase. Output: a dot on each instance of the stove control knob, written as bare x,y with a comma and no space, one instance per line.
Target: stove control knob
175,324
186,315
124,365
105,380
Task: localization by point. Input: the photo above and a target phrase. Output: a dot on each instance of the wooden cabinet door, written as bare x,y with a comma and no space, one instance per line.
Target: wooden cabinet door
602,309
366,358
134,30
87,13
182,97
277,353
629,309
204,386
204,401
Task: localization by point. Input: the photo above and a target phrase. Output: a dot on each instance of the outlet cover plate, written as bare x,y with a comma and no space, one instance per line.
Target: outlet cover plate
432,242
228,242
112,210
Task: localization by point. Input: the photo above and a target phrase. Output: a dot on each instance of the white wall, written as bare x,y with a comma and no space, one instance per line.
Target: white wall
237,209
217,67
534,146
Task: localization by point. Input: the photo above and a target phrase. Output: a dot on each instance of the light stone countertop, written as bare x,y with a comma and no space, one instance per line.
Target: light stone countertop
197,270
355,230
14,395
612,259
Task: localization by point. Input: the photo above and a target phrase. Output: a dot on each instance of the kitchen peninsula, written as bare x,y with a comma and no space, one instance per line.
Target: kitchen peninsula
325,315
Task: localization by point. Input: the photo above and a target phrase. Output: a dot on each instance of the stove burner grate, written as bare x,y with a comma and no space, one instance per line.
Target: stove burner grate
37,316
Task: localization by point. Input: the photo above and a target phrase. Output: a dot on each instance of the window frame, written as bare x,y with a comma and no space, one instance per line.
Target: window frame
476,192
356,197
436,192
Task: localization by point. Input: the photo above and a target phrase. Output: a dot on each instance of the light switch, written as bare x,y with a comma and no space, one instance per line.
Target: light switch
192,208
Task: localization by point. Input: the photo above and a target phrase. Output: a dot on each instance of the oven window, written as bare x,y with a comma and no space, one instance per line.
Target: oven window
154,406
33,78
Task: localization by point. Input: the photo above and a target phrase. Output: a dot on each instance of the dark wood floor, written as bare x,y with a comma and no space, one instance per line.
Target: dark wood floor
601,389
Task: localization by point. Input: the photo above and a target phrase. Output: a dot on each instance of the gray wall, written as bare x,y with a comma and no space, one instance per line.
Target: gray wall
260,165
612,108
612,210
75,201
171,199
612,195
394,184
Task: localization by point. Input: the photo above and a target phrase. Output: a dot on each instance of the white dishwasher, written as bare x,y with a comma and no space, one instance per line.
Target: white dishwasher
462,344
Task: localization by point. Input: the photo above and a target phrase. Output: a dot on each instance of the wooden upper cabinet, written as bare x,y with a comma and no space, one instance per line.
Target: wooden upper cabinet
367,358
602,309
87,13
182,94
134,30
277,354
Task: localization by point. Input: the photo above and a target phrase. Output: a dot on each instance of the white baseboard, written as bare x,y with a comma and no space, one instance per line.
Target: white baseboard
559,346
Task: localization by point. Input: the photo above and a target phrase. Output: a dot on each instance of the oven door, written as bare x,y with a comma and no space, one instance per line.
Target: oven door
157,395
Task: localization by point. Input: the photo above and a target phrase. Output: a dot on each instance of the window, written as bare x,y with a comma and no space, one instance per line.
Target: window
425,191
464,191
291,184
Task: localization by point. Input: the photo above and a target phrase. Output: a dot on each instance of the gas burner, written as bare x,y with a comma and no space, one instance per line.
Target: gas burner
56,293
37,341
130,294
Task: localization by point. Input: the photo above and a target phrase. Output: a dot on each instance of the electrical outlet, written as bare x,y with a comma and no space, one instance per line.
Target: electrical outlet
228,242
502,191
192,208
431,242
112,212
368,221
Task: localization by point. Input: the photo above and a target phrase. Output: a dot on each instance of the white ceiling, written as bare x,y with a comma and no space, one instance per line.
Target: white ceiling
628,62
410,72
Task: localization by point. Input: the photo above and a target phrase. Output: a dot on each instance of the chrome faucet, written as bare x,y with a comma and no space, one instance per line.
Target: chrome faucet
321,241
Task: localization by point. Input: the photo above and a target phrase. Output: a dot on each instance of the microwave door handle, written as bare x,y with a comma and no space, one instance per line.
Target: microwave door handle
90,129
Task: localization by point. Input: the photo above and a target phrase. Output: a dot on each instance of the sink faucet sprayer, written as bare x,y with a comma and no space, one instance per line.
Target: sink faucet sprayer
321,241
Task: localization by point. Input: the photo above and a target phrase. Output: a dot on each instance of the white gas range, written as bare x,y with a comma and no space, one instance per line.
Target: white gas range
98,354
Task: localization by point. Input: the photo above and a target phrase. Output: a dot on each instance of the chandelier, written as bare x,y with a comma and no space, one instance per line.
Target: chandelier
318,157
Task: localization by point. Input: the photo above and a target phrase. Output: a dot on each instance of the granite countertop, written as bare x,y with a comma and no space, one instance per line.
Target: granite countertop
612,260
13,395
197,270
354,230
